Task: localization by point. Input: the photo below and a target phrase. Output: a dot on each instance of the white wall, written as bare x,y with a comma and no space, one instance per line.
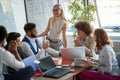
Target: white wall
19,15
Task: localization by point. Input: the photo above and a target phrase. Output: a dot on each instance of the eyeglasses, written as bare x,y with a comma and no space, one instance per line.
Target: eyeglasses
55,10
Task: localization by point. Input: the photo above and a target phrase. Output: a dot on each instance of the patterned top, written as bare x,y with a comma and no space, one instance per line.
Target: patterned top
90,45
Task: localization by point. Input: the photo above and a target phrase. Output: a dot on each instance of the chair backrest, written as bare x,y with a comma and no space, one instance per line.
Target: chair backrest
118,59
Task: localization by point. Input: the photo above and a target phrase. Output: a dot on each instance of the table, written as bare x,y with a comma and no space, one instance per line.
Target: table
69,76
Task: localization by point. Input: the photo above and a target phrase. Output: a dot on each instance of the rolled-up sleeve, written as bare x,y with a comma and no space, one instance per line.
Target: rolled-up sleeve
26,49
11,61
108,61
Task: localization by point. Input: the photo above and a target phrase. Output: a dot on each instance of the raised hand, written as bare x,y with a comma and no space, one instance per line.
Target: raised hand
12,47
78,42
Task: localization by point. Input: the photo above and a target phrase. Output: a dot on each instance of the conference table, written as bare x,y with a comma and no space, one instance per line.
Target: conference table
69,76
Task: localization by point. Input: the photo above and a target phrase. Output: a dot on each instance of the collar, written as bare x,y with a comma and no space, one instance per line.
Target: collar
31,39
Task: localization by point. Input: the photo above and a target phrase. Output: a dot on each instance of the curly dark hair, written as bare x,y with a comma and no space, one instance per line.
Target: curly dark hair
84,26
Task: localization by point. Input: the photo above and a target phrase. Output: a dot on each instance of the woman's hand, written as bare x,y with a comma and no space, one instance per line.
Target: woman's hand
90,59
90,65
87,63
78,42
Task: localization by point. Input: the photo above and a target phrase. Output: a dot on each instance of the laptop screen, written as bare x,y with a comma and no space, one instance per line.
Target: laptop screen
74,52
46,64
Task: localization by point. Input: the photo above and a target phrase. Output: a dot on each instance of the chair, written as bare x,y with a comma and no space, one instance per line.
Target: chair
118,59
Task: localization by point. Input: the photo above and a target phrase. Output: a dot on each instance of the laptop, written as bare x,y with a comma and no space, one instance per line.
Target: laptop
49,69
74,52
29,61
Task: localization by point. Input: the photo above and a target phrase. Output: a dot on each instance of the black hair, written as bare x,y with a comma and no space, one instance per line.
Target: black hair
3,33
12,36
29,27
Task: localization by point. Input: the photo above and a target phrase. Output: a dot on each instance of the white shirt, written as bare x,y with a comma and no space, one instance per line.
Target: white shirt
28,51
8,59
107,58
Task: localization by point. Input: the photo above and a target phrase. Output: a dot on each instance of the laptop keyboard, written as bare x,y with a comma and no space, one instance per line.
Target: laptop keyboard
57,72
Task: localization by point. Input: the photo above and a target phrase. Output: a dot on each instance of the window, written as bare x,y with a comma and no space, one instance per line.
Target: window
109,14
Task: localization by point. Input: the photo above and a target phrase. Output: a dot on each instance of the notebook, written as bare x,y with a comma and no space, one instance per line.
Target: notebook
49,69
78,62
63,62
29,61
74,52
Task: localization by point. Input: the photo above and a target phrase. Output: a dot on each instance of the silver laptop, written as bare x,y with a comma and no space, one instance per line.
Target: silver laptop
74,52
49,69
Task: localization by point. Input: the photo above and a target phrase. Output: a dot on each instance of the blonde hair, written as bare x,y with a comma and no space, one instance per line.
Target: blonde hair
62,13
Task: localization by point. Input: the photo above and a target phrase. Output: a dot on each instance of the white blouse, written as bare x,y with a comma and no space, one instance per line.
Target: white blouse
107,59
56,25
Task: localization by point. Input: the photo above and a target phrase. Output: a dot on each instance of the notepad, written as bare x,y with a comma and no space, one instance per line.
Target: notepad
30,61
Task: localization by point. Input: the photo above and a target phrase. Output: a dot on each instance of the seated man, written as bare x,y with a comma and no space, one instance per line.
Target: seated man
13,42
32,45
6,58
11,39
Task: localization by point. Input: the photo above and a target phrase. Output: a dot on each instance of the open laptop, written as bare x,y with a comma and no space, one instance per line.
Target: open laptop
74,52
49,69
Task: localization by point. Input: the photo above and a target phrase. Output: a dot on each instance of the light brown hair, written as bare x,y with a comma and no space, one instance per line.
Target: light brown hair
102,38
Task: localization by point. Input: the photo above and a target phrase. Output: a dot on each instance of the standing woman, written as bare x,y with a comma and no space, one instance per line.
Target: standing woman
108,66
57,29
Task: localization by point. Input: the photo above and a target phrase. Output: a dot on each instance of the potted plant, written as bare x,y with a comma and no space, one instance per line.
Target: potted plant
79,11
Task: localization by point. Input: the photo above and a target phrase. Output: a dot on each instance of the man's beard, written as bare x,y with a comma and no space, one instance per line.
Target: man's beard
33,35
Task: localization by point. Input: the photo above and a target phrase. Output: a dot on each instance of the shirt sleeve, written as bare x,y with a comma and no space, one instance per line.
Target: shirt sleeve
11,61
26,49
39,43
52,52
108,61
90,47
48,50
40,54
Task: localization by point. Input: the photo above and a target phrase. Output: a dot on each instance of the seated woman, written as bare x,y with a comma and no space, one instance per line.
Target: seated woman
85,37
108,66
